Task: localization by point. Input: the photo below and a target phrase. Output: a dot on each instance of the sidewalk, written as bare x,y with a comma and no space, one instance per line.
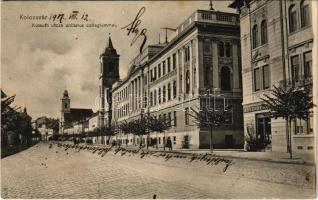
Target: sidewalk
278,157
10,150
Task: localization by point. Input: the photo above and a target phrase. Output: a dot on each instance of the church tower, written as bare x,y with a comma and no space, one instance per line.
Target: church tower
109,74
65,108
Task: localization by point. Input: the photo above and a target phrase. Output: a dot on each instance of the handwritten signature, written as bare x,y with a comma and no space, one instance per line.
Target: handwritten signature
132,28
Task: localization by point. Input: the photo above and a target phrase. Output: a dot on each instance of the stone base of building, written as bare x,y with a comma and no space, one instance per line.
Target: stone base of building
303,143
222,139
273,133
194,139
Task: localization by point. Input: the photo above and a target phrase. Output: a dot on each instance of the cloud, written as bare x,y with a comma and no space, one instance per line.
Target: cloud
60,45
39,64
88,86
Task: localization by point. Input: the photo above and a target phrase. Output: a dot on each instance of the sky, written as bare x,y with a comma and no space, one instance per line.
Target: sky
38,64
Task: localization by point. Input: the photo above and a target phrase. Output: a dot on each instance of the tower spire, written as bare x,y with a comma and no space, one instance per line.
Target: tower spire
110,43
109,50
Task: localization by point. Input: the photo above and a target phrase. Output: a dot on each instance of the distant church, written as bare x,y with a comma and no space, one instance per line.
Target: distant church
70,115
109,74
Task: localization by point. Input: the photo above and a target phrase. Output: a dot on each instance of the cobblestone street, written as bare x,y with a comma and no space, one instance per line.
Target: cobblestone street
43,172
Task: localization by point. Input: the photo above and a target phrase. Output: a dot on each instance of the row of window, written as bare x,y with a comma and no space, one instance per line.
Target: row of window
123,111
261,78
303,126
255,35
161,95
261,75
168,117
152,140
225,77
224,49
156,72
293,16
305,70
122,94
293,23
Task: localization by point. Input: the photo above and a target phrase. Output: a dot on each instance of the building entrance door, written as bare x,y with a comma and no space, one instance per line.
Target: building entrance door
263,131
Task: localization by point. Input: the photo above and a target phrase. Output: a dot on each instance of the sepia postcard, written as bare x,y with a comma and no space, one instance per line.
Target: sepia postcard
159,99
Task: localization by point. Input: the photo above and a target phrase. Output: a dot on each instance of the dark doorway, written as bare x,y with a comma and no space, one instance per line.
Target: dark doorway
263,131
185,142
225,78
229,141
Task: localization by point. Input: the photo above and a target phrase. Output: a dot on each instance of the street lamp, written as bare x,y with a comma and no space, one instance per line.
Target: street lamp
214,109
214,97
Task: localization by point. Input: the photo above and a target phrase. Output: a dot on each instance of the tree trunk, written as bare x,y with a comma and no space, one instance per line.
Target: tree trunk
156,140
164,141
290,140
287,135
116,140
127,141
147,140
140,142
211,140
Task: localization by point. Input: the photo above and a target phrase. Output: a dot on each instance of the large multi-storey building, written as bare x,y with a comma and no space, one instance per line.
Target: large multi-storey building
199,66
276,43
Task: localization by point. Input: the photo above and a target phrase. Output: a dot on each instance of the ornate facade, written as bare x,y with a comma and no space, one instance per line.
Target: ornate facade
276,43
167,80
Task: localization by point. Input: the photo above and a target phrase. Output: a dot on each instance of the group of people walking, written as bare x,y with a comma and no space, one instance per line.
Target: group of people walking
168,143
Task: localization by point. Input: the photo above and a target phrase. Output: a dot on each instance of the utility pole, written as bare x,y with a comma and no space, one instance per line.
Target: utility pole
170,29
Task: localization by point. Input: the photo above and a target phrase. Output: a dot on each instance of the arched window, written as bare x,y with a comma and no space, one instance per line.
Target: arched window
263,32
304,14
255,36
227,49
292,15
187,84
221,49
225,78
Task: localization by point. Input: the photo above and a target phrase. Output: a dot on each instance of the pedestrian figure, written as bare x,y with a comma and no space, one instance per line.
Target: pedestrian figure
154,196
169,144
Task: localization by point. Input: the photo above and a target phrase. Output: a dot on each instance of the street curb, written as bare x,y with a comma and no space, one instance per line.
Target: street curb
219,156
243,158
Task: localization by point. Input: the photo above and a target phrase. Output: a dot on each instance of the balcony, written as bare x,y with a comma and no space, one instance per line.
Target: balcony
300,82
209,16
